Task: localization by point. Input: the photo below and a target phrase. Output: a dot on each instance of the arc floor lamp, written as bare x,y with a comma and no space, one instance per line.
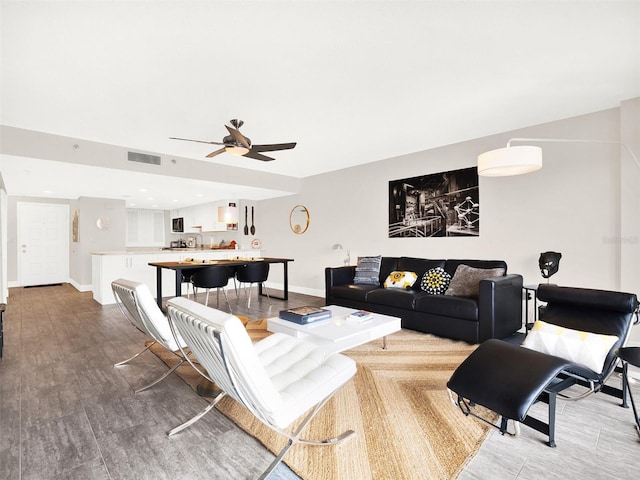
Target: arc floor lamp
516,160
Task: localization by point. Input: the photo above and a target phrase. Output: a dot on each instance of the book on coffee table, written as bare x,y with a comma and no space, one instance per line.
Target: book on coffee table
360,316
305,315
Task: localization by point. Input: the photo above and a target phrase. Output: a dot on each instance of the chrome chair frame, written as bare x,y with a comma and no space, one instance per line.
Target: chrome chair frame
137,304
224,366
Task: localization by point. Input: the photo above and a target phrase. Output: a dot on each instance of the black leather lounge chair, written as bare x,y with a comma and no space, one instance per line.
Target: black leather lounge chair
508,379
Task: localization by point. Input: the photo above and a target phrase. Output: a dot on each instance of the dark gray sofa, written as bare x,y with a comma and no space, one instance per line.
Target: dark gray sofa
495,313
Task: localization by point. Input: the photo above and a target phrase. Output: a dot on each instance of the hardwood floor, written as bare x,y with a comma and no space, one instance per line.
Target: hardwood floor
67,413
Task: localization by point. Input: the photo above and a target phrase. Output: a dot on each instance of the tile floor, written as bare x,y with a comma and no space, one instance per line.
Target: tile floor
67,413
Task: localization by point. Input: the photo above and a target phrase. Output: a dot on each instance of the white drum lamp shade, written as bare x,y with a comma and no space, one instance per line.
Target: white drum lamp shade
510,161
228,215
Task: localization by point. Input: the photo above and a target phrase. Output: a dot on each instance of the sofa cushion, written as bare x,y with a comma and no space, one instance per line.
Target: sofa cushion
466,281
465,308
393,297
401,280
368,271
450,265
418,265
435,281
388,265
352,292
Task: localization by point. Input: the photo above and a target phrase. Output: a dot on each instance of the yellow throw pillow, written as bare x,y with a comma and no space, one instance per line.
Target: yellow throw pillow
401,280
584,348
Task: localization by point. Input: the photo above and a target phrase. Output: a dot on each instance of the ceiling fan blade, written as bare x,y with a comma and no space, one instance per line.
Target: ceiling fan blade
199,141
257,156
217,152
271,148
238,137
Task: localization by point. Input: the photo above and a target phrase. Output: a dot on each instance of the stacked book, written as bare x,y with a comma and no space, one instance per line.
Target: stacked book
305,315
360,316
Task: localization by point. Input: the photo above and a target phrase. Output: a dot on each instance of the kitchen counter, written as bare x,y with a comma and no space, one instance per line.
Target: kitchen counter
166,250
133,264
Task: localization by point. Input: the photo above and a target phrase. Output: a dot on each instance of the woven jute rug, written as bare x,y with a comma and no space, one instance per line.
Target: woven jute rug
406,426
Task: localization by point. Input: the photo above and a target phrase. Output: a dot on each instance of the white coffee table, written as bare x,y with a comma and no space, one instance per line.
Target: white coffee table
339,333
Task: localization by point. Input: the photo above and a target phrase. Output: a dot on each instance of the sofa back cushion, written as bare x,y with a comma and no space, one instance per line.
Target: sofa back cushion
450,266
368,271
388,265
466,281
418,265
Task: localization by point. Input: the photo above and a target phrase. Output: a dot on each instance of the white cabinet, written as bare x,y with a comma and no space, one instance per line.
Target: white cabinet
135,266
201,218
107,268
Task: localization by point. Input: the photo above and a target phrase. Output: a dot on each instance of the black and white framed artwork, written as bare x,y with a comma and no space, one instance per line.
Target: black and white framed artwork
445,204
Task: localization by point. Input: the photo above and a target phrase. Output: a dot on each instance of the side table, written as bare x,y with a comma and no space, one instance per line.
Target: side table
530,291
629,355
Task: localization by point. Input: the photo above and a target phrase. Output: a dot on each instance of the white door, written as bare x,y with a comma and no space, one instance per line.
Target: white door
43,243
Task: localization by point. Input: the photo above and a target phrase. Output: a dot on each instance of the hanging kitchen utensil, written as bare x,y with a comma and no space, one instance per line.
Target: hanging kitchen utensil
253,228
246,224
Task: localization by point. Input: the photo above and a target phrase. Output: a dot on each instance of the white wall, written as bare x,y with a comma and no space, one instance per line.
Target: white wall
92,239
579,204
570,206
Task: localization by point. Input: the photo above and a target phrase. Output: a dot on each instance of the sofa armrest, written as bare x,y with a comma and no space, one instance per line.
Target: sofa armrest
500,306
337,276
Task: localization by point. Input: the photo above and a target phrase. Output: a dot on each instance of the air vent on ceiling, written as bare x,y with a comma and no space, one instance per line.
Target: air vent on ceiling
144,158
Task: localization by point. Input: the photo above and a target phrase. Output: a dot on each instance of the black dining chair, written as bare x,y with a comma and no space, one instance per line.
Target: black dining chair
187,275
254,272
212,277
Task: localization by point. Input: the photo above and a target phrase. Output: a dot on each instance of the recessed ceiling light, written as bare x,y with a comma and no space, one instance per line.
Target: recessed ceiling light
47,191
143,189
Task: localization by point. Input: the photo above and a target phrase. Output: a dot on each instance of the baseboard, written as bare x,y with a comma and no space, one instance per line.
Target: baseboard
81,288
292,288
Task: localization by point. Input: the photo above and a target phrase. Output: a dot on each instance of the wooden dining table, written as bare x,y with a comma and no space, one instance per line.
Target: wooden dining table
178,267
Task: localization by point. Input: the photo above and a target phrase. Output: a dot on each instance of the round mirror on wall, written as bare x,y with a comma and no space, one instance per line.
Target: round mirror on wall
299,219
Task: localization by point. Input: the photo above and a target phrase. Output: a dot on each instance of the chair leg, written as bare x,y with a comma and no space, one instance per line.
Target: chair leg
193,420
135,356
264,287
161,377
249,299
206,301
227,299
294,436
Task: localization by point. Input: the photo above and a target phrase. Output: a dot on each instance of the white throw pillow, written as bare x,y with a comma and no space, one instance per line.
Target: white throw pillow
401,280
584,348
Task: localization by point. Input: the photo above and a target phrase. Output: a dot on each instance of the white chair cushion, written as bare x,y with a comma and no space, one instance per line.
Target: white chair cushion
154,321
302,372
253,381
280,377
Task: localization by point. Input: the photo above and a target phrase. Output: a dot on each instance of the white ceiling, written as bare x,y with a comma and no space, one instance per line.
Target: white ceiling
351,81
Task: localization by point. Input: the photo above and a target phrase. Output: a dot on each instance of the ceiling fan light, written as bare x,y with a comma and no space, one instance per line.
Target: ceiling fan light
236,149
510,161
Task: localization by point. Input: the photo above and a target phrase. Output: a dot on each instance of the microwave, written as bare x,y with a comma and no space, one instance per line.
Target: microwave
177,225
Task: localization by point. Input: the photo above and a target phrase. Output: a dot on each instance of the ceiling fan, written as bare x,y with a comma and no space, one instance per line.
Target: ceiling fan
237,144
